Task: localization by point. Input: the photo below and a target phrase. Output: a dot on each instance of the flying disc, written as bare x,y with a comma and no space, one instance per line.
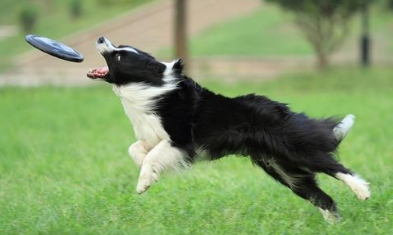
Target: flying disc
54,48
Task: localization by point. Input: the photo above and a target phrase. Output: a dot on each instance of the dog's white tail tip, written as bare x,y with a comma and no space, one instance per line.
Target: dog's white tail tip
342,129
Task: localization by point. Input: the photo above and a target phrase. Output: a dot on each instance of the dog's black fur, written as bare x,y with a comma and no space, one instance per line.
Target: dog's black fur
289,146
254,126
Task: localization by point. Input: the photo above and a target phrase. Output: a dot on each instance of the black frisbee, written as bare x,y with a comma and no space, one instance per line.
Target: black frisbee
54,48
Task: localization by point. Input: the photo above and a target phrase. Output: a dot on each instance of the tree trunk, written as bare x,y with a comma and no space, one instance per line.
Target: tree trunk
322,60
181,30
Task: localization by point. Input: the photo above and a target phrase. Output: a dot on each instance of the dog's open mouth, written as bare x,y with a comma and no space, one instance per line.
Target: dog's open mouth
98,72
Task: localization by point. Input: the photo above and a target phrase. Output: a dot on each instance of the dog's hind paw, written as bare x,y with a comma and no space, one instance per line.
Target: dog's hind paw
361,190
358,185
331,217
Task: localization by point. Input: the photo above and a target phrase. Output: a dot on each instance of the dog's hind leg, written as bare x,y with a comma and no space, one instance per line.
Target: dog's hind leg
308,189
160,158
358,185
303,184
330,166
138,152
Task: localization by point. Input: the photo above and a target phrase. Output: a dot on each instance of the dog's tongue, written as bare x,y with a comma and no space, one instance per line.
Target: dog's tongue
102,70
99,72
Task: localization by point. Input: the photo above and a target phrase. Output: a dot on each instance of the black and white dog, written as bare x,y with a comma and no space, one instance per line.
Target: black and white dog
176,121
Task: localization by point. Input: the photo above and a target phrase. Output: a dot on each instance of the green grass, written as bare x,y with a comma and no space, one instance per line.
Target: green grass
54,21
64,167
267,32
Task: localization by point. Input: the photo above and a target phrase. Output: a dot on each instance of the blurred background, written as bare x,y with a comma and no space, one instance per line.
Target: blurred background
222,39
64,167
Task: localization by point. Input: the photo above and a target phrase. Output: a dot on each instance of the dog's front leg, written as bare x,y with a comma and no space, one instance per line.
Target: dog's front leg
160,158
138,152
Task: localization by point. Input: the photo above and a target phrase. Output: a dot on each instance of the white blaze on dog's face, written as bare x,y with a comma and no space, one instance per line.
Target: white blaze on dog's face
127,65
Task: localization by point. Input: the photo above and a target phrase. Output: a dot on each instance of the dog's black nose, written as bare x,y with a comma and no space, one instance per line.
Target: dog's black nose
101,40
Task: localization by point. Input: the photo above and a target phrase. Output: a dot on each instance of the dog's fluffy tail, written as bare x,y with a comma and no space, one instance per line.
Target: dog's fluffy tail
342,129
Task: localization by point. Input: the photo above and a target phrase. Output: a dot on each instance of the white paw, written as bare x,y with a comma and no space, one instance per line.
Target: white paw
144,182
358,185
361,190
330,217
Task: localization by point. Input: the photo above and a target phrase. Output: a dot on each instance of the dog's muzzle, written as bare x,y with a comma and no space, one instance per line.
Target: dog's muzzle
104,45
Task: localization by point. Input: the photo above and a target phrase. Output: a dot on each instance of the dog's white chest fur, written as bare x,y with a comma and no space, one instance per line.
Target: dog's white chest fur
138,101
147,127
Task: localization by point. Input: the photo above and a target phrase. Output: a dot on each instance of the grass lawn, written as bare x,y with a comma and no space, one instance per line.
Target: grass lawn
267,32
64,167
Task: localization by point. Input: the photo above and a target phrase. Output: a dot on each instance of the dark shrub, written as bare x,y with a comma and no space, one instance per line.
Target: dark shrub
76,8
28,18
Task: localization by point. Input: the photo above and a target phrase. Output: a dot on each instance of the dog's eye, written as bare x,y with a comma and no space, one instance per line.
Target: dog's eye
118,57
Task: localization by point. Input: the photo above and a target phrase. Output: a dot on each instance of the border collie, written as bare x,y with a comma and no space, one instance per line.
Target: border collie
176,120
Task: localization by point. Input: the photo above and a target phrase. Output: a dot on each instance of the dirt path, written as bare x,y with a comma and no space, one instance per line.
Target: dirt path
148,27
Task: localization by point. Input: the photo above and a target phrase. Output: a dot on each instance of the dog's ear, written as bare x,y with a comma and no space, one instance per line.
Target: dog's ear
178,67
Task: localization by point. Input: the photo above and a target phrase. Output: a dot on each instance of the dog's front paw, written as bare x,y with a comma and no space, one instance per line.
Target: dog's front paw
144,182
143,185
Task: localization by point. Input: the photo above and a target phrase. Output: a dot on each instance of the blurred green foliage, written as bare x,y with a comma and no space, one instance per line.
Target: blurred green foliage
324,23
389,4
76,8
325,8
48,8
28,18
